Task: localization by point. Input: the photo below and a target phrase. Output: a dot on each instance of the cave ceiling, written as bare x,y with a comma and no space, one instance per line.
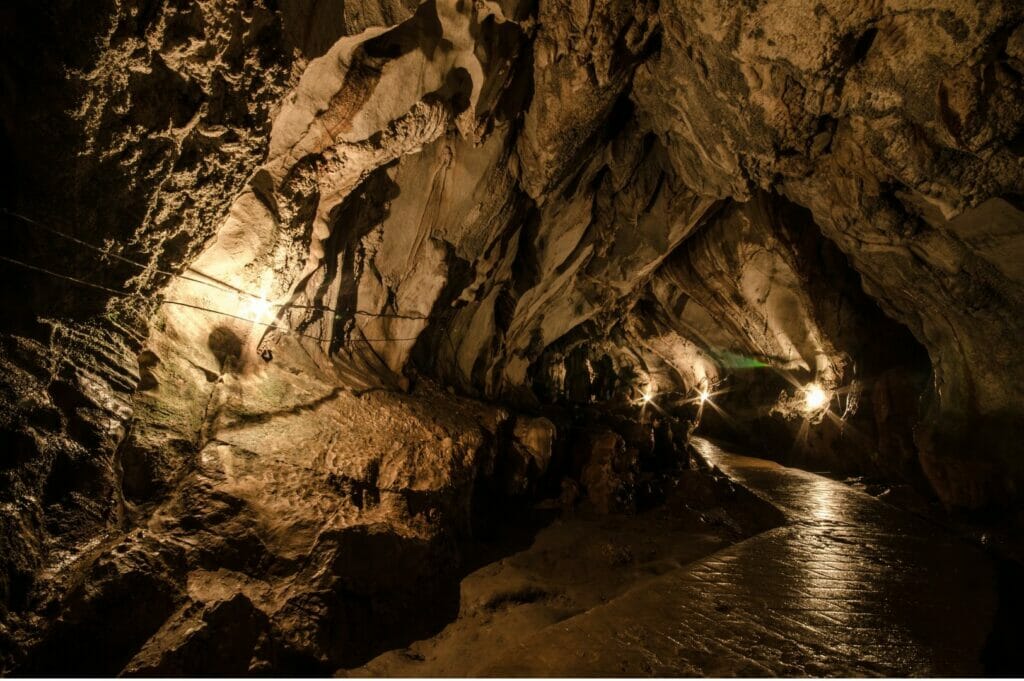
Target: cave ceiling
478,189
483,183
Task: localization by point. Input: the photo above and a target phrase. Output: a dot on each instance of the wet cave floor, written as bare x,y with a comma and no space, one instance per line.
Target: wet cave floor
842,585
550,565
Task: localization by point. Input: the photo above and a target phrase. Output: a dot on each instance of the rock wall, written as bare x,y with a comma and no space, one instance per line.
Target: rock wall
129,124
894,124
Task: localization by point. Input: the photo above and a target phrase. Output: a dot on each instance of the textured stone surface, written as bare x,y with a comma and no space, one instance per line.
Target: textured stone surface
304,510
517,175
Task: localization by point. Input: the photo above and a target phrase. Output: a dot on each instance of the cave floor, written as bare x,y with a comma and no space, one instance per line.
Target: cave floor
546,565
848,586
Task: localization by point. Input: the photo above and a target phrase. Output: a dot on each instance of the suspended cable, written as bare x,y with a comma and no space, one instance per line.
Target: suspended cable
64,276
128,294
221,286
212,282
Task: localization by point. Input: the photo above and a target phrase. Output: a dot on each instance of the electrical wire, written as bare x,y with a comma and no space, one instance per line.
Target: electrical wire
65,277
127,294
210,281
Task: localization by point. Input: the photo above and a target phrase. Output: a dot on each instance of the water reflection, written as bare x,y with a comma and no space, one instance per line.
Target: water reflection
840,578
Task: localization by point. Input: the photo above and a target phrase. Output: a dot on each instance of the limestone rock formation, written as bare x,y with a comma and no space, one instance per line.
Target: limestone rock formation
295,291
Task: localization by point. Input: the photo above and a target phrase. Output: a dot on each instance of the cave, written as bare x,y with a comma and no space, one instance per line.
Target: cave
509,338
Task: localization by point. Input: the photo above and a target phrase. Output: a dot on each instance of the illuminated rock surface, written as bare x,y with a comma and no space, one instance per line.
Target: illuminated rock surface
304,301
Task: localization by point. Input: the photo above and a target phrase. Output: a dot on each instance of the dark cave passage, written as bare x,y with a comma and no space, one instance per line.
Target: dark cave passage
531,338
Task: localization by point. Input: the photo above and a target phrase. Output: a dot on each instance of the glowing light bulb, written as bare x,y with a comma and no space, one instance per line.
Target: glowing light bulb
257,310
704,395
647,396
814,397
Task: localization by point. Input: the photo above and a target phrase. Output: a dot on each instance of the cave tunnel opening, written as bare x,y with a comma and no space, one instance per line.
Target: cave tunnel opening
517,339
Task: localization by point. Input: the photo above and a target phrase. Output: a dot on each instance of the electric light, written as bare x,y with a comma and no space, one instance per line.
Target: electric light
257,310
814,397
647,396
704,395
